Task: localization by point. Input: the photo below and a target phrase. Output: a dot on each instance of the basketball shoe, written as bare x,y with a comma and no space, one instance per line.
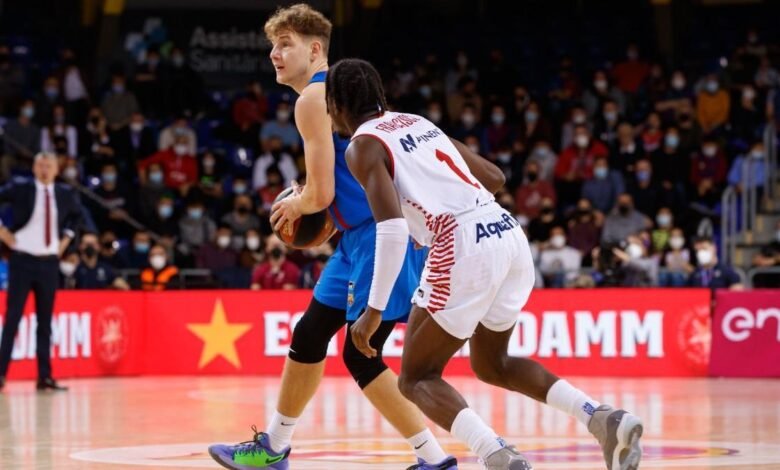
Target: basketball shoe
507,458
250,455
618,432
450,463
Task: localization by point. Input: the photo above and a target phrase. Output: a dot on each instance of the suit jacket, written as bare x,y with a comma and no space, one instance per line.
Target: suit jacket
20,193
122,142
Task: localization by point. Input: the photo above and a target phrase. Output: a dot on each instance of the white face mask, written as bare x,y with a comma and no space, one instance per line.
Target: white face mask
468,119
283,115
634,251
136,126
678,83
676,242
253,243
600,84
558,241
579,119
67,268
474,148
704,256
180,149
710,150
223,241
157,262
581,141
434,116
70,173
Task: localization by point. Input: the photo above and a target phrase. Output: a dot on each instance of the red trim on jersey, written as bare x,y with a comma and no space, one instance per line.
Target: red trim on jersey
387,149
338,216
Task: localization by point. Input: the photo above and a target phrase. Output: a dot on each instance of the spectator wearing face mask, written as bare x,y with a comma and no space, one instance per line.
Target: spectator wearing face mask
184,86
748,116
59,127
461,68
558,262
639,269
709,163
92,272
543,154
134,142
276,272
768,257
317,257
709,271
68,264
466,95
435,113
179,132
253,252
540,226
241,219
678,96
272,188
585,230
604,188
712,106
151,190
670,164
757,168
282,128
96,143
647,194
210,180
599,93
676,261
196,227
497,133
533,127
164,221
135,255
180,167
607,123
467,124
218,254
109,250
664,221
248,114
119,103
626,151
766,77
624,221
159,275
575,164
577,118
652,135
149,83
22,140
118,202
533,191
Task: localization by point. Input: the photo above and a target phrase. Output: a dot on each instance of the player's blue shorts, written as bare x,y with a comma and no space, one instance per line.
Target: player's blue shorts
346,279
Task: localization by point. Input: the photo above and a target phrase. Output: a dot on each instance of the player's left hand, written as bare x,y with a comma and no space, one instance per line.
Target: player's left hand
363,329
286,210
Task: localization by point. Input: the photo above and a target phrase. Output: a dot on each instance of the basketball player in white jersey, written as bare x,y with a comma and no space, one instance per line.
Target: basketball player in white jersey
478,276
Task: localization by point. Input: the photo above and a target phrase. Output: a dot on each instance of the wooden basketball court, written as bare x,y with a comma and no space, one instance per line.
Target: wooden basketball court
168,422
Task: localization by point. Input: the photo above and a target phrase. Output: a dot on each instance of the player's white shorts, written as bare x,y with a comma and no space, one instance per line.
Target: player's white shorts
479,272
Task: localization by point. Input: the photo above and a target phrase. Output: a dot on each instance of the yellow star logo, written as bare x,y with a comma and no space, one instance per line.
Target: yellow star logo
219,337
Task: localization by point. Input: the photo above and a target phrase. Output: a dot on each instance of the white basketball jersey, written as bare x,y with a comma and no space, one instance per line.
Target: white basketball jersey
432,178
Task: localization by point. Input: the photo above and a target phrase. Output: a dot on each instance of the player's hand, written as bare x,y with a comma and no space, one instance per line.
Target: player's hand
284,211
7,237
363,329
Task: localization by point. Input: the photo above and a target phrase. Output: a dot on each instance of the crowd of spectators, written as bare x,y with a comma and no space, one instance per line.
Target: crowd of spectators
617,167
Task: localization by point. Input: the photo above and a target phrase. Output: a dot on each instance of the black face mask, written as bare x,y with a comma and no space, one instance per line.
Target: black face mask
108,245
61,150
243,210
624,209
546,211
322,258
90,251
276,253
532,176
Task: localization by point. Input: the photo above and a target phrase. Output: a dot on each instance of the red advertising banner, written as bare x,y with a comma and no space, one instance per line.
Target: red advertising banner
93,334
620,332
746,334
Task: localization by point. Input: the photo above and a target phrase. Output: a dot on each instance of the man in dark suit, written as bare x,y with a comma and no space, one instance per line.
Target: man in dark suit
45,218
133,143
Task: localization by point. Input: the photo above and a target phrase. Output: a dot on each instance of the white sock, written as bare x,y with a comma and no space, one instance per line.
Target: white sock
469,428
280,431
572,401
427,447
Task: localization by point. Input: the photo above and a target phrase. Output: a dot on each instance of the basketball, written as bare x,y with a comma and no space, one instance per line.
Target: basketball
309,230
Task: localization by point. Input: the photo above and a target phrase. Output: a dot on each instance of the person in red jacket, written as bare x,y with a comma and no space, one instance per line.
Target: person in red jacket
575,164
181,168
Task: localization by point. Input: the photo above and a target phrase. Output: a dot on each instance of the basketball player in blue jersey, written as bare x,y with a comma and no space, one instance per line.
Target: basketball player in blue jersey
300,37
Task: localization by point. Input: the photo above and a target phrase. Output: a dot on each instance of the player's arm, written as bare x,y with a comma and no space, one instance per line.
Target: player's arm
313,123
491,176
368,162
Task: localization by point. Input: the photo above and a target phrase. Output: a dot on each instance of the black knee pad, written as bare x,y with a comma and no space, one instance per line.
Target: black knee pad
365,369
313,332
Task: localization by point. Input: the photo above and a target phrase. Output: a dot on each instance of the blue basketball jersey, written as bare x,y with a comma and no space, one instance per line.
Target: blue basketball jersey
350,207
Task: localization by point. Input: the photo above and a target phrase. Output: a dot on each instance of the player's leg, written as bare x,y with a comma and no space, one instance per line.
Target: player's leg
380,385
303,371
617,431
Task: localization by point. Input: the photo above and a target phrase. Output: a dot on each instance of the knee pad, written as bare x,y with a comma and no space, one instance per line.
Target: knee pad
363,369
313,332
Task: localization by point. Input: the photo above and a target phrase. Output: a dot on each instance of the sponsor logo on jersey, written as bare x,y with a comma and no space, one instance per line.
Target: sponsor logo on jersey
507,222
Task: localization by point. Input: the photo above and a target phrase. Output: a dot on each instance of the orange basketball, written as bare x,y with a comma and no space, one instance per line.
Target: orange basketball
309,230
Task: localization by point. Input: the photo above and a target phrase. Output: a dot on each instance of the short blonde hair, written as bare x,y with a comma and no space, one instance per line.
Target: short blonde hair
301,19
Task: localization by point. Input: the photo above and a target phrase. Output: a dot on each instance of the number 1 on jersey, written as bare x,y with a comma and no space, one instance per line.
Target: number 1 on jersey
443,157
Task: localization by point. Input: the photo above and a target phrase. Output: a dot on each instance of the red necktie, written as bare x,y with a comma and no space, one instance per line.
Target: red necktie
47,223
